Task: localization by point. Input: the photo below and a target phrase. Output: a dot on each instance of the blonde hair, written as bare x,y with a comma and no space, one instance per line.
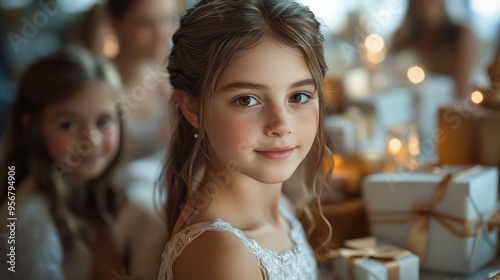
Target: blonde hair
48,80
211,34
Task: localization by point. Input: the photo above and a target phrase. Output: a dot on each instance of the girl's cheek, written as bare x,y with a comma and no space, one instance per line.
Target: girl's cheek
308,124
111,140
232,136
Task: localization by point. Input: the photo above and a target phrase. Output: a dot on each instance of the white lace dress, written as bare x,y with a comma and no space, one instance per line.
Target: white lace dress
296,263
40,254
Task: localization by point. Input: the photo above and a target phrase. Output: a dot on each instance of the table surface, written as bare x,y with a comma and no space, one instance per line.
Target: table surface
482,274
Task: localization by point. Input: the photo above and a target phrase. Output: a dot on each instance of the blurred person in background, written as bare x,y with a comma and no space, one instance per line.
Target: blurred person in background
62,146
442,46
144,30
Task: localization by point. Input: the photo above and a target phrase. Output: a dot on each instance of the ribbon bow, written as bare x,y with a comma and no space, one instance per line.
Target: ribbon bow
423,213
358,250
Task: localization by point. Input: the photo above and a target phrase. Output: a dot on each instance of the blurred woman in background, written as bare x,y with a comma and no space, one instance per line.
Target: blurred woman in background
442,46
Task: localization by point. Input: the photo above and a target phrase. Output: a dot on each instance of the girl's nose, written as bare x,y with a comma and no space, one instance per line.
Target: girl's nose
93,135
278,124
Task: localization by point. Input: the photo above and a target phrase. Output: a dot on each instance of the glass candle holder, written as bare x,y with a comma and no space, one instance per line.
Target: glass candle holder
402,148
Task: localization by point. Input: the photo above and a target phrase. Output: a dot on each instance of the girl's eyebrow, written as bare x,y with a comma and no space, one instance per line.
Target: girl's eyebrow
243,85
246,85
305,82
77,115
64,114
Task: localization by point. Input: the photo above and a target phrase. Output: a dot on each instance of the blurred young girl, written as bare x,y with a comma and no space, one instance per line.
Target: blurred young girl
248,80
64,140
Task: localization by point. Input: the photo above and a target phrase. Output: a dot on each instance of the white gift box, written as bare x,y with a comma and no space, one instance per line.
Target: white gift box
431,94
391,107
395,203
341,134
373,269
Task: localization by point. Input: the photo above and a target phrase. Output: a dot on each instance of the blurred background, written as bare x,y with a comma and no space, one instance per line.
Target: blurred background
375,50
410,83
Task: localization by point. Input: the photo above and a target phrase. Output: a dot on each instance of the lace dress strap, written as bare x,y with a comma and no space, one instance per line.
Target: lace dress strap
186,236
295,263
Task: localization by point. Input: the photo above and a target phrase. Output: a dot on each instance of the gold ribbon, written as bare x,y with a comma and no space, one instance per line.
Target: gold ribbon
423,213
358,250
494,221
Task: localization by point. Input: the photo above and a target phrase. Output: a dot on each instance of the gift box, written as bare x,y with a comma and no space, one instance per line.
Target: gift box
363,259
347,219
335,96
341,134
431,94
391,107
442,216
469,135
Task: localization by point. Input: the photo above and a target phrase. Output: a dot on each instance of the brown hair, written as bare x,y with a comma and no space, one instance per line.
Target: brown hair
211,34
48,80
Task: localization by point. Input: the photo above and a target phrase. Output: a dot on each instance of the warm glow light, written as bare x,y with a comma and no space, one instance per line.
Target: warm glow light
416,74
374,43
413,145
375,57
337,160
394,145
477,97
111,47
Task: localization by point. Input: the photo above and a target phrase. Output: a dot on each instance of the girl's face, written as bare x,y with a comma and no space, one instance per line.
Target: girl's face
82,133
264,113
146,28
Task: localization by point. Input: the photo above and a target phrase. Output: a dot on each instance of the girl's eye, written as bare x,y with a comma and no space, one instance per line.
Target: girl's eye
300,98
69,126
105,122
246,101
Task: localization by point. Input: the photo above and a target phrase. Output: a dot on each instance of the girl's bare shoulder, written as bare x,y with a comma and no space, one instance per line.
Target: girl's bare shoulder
216,255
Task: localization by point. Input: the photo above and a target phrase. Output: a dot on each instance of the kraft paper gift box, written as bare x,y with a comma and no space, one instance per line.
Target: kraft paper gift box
468,135
442,217
363,259
347,219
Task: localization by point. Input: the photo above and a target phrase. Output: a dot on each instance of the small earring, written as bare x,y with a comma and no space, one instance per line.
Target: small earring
196,135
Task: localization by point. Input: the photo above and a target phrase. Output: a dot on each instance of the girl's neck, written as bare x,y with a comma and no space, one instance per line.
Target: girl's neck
239,199
75,183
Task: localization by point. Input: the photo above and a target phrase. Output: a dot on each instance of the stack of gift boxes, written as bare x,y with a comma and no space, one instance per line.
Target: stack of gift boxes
437,217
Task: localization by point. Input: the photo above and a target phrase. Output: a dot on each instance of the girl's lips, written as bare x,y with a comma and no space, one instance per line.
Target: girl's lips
276,153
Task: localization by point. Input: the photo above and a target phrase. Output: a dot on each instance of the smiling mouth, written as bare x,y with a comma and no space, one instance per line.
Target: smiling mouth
276,153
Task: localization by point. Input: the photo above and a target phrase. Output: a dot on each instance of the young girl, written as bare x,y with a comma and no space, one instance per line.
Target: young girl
248,79
62,145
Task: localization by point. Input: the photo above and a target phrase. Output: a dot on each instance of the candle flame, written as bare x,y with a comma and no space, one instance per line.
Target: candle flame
394,145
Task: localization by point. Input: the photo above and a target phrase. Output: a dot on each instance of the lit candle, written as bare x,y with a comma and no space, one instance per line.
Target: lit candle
394,146
403,148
